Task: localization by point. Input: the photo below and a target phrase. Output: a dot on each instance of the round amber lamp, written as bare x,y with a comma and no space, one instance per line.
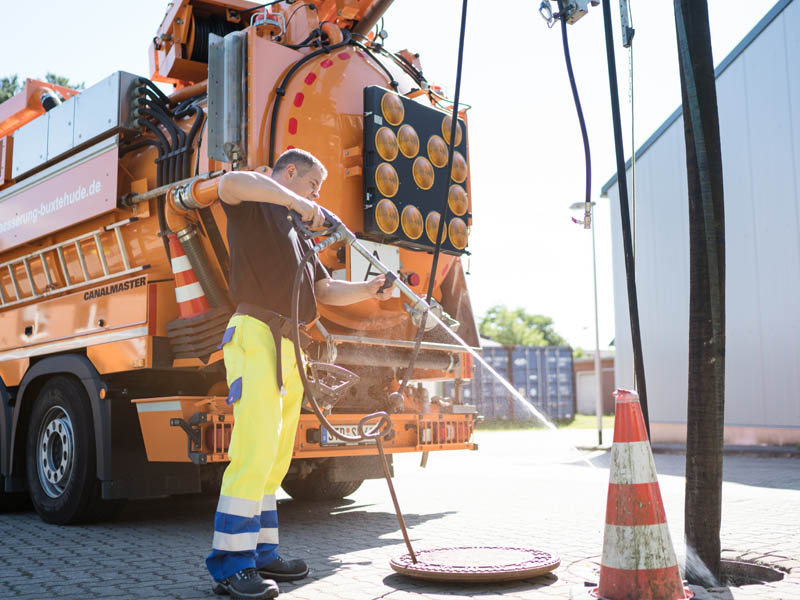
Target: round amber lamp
423,173
432,226
458,233
392,108
447,124
386,216
408,140
386,179
386,143
437,151
459,172
411,222
457,200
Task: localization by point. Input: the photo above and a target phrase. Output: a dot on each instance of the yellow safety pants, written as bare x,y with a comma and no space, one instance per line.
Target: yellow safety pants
262,441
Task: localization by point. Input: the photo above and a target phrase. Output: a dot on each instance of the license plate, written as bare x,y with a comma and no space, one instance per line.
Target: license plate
350,430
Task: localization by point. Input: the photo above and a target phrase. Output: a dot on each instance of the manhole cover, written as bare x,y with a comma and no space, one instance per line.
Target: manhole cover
735,573
476,564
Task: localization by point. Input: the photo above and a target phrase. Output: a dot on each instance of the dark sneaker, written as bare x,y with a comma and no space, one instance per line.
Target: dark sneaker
246,585
284,570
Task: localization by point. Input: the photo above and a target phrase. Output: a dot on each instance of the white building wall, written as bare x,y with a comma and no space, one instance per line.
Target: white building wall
759,109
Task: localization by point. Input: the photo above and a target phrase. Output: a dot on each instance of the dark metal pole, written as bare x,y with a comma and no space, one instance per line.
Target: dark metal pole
627,242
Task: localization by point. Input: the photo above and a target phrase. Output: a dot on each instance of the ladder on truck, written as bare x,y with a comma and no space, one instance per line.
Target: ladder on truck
78,243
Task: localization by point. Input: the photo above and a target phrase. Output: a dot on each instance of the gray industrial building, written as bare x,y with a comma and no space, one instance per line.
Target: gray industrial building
758,90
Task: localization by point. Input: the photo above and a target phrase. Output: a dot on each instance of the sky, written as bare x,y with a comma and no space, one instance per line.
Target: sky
526,152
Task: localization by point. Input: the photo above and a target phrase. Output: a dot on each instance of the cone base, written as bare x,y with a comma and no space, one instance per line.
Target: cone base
595,593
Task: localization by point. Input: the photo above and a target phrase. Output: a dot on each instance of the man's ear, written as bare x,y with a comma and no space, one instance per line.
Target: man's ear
291,171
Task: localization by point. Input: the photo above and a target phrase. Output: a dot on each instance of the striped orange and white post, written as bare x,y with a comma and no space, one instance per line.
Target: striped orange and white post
188,291
639,561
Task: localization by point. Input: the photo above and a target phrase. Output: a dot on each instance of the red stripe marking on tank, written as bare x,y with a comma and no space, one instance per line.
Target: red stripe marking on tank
310,78
344,55
152,312
292,125
326,63
290,147
629,423
298,99
651,583
634,504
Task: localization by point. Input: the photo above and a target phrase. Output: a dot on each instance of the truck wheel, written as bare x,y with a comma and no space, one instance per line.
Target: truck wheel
61,454
315,486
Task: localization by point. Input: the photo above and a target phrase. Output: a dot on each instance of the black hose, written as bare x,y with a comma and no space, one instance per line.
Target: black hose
586,154
154,88
137,145
281,89
378,430
443,217
392,81
627,242
202,29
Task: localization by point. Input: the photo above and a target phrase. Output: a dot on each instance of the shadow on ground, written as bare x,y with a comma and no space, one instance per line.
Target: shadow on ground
475,590
749,469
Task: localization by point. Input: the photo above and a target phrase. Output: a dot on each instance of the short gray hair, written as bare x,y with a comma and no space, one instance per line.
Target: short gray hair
301,159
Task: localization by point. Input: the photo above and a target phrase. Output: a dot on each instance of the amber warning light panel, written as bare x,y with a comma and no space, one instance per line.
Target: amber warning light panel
405,174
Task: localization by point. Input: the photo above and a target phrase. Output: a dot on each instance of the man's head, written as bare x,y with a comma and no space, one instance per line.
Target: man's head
301,172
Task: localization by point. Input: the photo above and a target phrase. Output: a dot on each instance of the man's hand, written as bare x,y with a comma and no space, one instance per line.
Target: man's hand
375,284
309,211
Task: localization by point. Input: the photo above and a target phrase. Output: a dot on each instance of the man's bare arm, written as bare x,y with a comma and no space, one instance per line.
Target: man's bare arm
335,292
249,186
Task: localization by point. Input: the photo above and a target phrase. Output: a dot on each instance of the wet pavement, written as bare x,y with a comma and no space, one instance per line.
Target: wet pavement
520,489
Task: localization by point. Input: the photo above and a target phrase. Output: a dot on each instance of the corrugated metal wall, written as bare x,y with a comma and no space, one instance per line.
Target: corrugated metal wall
758,91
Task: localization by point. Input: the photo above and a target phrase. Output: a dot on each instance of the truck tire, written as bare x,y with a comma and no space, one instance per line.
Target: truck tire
315,486
60,457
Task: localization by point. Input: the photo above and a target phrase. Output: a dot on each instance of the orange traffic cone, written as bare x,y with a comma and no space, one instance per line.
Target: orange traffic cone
188,291
639,561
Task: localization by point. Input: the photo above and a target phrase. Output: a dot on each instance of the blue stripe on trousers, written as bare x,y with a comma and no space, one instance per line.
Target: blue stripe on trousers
224,563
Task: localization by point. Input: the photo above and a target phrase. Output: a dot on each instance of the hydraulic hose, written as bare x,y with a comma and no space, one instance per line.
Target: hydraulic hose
586,154
281,89
625,218
443,218
384,425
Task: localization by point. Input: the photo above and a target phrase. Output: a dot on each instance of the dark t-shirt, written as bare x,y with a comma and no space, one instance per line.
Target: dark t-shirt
265,252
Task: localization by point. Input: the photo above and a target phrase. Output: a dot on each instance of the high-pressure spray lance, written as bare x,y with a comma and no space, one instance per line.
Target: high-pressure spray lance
329,382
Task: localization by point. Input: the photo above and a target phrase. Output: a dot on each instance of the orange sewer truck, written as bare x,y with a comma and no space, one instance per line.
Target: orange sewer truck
114,259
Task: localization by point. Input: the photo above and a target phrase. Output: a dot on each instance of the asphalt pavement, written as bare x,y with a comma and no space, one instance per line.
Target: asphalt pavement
520,489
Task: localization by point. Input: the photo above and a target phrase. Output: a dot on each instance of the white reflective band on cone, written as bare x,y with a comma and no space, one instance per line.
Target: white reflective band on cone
181,264
633,462
188,292
638,547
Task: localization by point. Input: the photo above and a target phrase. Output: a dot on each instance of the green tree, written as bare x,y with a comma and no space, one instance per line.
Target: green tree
8,87
63,81
518,328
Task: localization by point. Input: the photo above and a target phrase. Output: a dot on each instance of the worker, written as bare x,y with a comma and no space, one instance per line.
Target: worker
262,375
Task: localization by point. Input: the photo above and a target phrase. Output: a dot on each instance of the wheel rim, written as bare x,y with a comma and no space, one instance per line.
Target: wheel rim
56,451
